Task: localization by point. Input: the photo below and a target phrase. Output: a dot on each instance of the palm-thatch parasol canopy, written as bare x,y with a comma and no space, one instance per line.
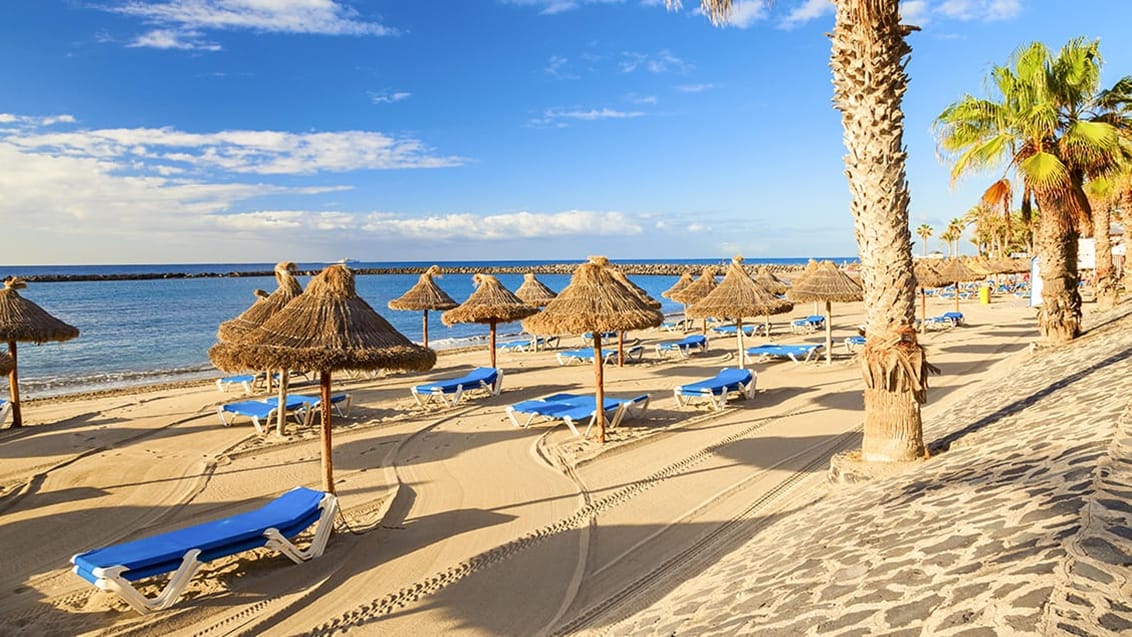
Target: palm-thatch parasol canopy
490,303
287,288
773,284
425,295
534,292
955,271
697,289
23,321
826,282
328,327
596,302
624,280
7,364
738,295
684,281
926,277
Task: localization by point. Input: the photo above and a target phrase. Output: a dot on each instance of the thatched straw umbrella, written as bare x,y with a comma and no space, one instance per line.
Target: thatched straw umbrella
697,290
811,267
684,281
534,292
287,288
490,303
955,271
328,327
425,295
926,277
827,283
773,284
623,279
594,302
738,295
24,321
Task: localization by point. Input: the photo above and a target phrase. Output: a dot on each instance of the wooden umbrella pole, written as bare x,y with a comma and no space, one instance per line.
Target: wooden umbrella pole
956,296
493,343
828,333
14,388
599,381
281,411
739,336
620,349
923,310
424,328
327,460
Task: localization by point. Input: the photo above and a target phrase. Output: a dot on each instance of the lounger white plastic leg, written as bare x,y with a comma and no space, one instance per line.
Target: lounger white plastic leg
515,421
110,579
275,540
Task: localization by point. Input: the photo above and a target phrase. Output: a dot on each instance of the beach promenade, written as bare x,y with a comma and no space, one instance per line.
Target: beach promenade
686,522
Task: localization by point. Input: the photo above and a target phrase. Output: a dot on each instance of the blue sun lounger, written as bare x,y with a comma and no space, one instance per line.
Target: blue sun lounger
448,392
529,344
5,409
854,342
807,323
260,410
954,317
683,347
340,402
574,409
715,391
181,552
634,352
806,352
730,330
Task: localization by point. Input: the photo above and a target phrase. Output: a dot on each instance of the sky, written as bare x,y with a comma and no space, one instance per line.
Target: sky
200,131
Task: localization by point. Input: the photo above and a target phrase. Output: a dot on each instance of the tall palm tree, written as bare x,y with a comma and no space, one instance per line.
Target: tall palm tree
949,237
868,61
1103,199
925,233
956,227
1050,128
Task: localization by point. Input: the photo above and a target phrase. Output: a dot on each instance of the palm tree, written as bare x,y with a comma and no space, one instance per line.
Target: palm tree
956,227
925,233
1049,128
868,60
1103,199
949,237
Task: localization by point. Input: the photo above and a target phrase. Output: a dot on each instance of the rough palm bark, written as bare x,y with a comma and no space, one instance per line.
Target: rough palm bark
868,61
1059,316
1105,272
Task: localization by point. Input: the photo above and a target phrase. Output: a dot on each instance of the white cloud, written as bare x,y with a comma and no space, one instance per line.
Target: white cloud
744,14
389,97
983,10
808,10
634,98
554,117
914,12
172,39
697,227
179,23
552,7
662,61
26,120
518,225
556,67
236,151
694,88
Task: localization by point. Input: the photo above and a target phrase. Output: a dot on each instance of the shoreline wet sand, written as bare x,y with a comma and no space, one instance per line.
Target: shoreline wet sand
453,520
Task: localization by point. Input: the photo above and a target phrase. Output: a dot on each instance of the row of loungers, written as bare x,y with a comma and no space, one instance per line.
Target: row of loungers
275,525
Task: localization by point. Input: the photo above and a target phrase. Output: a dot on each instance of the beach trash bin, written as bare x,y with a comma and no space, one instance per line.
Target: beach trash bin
984,294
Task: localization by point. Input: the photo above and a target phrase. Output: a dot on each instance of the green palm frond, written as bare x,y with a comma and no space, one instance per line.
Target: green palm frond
1045,173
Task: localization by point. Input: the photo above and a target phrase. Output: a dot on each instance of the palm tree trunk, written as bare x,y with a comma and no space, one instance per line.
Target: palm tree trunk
869,54
1059,317
1106,273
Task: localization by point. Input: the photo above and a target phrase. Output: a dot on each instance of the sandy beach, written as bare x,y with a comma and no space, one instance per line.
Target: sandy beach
455,522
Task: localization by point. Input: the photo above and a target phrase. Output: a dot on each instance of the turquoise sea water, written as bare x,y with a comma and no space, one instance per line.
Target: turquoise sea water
138,332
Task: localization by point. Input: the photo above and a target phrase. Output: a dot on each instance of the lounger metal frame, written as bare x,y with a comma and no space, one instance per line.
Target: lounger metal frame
112,578
715,396
427,396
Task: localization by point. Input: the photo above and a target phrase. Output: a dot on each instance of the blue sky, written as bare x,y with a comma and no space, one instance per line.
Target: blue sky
312,130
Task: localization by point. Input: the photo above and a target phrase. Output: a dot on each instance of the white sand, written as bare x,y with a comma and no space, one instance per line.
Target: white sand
464,523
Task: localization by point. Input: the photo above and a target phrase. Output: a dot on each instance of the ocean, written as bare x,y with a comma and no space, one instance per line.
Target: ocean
140,332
